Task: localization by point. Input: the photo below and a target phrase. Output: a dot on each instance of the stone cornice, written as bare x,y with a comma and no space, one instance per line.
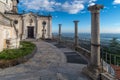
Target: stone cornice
76,21
95,8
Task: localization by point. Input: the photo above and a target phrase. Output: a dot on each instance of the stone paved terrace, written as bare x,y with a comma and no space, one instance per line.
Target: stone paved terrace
49,63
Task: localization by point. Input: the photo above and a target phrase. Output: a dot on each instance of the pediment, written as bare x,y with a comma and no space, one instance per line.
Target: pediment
29,15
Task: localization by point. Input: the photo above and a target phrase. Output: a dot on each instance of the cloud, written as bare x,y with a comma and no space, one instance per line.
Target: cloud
73,8
116,2
38,4
69,6
92,2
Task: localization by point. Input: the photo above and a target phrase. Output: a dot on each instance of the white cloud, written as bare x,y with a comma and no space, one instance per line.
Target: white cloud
39,4
73,8
70,6
116,2
91,2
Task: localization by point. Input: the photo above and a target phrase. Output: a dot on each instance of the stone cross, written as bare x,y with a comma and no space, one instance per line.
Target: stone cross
59,32
76,33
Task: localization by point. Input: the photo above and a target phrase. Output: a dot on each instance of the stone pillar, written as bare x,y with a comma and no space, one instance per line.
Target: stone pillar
49,27
36,31
43,30
95,35
60,33
43,34
23,32
76,34
94,68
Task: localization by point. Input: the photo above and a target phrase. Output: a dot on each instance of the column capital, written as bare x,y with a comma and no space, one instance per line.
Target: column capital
60,24
95,8
76,21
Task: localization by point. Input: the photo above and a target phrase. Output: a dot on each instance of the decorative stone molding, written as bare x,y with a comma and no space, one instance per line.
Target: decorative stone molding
95,8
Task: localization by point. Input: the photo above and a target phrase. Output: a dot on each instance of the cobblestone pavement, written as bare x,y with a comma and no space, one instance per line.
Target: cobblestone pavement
49,63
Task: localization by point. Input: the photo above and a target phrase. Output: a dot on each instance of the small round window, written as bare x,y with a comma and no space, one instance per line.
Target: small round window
43,23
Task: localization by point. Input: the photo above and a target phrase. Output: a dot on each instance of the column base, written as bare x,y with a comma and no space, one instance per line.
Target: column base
92,72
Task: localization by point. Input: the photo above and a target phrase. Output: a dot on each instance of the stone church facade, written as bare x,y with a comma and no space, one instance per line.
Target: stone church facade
31,25
34,26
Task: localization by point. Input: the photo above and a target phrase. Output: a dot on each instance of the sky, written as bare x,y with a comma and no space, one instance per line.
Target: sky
66,11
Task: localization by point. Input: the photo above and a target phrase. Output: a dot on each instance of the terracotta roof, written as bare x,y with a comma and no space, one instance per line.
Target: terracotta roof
117,71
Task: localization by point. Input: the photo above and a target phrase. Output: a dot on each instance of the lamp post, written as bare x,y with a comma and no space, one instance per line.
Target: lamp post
43,30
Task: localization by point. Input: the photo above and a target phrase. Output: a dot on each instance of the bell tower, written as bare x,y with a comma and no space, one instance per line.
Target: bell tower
14,6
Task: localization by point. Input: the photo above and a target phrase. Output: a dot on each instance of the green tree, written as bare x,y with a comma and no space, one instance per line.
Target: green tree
114,42
114,46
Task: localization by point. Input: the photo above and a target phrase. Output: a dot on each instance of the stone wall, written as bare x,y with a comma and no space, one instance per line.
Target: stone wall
5,6
81,50
84,52
106,76
1,38
7,33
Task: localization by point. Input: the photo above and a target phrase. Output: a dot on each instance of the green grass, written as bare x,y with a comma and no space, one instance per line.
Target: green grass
8,54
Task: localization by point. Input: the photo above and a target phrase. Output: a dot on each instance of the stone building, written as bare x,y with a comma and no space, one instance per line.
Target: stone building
5,5
8,33
30,25
14,26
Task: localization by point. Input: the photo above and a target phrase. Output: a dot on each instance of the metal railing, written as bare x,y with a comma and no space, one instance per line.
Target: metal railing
110,59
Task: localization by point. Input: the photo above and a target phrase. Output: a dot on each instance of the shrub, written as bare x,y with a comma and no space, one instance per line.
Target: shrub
27,48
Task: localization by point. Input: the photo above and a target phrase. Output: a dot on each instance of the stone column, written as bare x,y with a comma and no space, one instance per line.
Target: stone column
43,34
36,31
76,34
48,28
95,34
59,33
22,34
94,67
